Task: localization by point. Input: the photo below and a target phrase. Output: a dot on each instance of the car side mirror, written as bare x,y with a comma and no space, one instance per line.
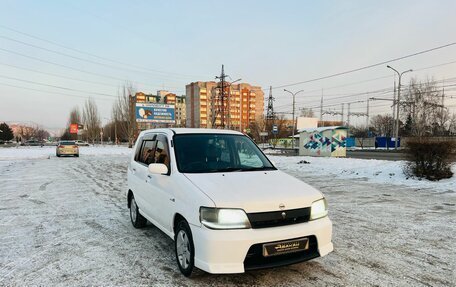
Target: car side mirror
158,168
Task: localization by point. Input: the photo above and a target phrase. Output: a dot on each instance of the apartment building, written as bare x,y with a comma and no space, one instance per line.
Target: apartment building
241,105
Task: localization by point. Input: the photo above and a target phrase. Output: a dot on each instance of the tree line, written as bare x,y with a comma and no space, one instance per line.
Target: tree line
121,128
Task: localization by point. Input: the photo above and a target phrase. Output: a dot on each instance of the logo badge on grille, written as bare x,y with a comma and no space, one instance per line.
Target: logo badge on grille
284,215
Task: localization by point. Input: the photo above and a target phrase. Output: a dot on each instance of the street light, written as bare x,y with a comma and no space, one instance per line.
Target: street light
396,132
294,95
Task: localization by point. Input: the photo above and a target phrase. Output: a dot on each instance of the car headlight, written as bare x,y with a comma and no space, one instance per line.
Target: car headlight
224,218
318,209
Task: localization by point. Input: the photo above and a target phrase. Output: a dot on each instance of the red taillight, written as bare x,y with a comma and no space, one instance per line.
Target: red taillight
75,146
61,146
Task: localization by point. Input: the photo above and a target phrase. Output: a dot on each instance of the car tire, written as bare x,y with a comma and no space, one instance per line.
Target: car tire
57,155
137,219
184,248
76,155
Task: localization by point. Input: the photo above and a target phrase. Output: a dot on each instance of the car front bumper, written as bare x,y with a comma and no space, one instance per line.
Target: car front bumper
232,251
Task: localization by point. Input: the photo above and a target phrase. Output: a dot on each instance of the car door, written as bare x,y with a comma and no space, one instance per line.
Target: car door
140,172
159,192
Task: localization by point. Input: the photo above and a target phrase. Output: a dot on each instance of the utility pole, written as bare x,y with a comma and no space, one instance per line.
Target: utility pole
342,114
367,116
398,103
222,98
294,122
394,104
348,115
321,107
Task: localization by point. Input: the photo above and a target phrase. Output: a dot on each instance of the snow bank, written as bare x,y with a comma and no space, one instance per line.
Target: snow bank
21,153
378,171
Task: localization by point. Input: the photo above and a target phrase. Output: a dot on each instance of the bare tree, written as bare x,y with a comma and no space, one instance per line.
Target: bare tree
423,103
383,125
91,120
360,133
452,125
123,114
74,118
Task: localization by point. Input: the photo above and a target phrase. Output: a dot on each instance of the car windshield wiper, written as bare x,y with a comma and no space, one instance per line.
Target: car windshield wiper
230,169
258,168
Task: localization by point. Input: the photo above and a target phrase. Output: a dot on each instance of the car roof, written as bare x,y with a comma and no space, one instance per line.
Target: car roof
173,131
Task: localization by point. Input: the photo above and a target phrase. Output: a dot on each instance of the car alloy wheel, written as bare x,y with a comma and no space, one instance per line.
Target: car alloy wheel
137,219
185,251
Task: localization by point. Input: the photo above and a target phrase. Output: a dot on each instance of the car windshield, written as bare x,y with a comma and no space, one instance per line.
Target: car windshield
206,153
67,143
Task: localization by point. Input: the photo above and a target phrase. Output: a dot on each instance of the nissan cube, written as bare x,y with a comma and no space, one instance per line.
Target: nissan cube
223,202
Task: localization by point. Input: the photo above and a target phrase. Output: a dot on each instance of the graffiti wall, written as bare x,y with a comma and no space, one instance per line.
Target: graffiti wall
323,142
339,143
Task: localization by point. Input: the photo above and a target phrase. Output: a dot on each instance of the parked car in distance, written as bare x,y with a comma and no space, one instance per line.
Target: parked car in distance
225,205
82,143
67,148
32,143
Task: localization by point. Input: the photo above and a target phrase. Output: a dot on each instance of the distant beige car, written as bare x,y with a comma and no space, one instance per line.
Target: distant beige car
67,148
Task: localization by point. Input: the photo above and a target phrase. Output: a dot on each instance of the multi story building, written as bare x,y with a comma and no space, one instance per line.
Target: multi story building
180,111
241,105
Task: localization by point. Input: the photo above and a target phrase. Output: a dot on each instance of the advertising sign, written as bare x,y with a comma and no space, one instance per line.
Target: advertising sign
73,128
155,113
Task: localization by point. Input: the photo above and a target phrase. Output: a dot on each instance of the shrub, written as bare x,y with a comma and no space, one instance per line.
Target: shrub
430,159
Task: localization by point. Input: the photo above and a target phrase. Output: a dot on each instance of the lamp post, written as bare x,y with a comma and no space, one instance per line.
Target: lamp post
294,95
396,132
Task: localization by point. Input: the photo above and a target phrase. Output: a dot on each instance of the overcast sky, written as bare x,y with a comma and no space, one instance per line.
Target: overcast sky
168,44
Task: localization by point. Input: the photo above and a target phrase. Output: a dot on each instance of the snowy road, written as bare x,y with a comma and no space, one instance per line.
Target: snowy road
64,221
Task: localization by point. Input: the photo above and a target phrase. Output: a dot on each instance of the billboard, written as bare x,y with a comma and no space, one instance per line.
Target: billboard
155,113
73,128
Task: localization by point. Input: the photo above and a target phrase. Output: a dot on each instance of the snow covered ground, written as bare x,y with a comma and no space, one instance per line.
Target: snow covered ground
64,221
33,152
376,171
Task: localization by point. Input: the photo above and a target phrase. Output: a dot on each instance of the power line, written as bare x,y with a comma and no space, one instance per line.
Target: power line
89,54
57,87
376,92
59,76
50,92
73,57
366,67
75,69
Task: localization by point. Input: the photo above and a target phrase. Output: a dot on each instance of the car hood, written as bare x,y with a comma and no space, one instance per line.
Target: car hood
255,191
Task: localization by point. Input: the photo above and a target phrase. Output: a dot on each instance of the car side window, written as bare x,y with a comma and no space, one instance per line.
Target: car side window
147,152
162,151
247,155
138,151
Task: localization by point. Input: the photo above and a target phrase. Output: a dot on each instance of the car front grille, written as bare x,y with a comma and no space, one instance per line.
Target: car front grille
255,259
279,218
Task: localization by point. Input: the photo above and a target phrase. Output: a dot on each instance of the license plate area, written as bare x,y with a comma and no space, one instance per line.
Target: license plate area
285,247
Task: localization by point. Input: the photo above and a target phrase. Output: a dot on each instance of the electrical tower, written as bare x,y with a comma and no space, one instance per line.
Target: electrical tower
270,112
220,108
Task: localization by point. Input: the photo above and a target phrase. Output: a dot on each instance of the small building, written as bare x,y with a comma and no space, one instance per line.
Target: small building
323,141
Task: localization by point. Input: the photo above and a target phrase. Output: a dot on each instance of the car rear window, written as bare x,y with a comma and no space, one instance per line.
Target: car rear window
67,143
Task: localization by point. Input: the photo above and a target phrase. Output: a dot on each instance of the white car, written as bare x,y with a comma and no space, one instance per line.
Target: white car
223,202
